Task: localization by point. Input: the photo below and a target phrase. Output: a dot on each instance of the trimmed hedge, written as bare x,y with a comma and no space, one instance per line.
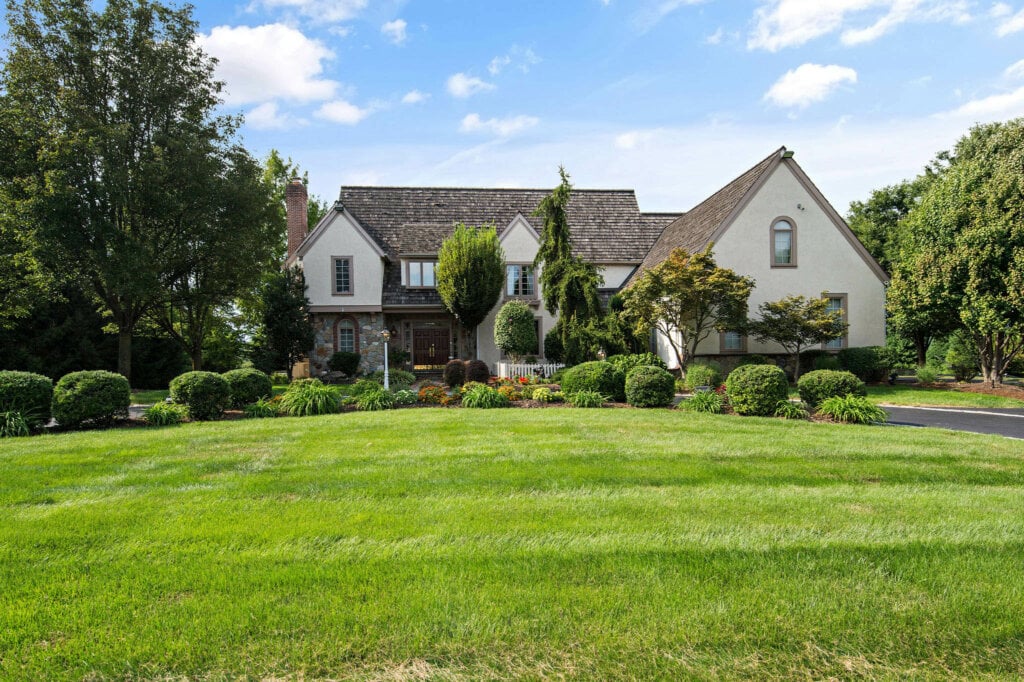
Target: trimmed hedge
94,397
820,384
28,394
345,362
700,374
247,386
756,389
626,363
650,386
455,373
598,376
869,363
477,370
205,394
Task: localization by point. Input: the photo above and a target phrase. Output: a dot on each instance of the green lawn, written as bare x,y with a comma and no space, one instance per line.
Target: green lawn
451,544
902,394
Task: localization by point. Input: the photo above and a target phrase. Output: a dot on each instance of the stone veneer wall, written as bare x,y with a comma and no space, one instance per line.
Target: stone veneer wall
371,345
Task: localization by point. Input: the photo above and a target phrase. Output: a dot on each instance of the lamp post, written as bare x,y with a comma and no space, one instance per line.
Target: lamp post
387,337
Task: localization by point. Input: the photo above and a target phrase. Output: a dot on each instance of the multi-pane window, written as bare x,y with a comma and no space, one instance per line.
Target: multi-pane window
346,336
836,304
519,281
732,341
343,275
421,273
783,243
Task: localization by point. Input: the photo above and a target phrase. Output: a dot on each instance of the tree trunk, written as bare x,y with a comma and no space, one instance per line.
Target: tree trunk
124,351
197,359
796,367
921,347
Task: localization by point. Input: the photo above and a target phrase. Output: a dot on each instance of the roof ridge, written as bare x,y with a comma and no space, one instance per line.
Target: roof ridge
777,153
487,189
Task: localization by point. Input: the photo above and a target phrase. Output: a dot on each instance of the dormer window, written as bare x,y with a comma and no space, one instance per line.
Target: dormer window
783,243
421,274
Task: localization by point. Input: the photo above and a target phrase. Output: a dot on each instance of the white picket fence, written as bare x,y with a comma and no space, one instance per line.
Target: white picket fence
509,370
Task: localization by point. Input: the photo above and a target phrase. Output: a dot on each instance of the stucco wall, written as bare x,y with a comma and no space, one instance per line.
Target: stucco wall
615,275
341,238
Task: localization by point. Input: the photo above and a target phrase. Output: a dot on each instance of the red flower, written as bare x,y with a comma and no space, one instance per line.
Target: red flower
524,380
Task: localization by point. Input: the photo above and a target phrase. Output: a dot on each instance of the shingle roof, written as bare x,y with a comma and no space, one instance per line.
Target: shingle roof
606,225
693,230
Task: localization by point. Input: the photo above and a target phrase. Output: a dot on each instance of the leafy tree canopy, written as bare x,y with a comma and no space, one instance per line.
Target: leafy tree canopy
796,322
470,274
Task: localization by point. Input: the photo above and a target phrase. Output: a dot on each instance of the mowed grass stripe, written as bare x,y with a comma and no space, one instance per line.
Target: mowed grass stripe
473,544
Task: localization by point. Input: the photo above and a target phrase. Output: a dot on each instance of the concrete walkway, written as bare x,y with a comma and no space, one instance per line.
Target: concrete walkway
1001,422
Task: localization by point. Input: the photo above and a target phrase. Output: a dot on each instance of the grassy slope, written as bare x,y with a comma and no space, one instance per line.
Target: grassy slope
594,544
937,397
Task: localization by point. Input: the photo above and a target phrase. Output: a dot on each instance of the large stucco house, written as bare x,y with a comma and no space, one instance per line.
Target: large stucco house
369,263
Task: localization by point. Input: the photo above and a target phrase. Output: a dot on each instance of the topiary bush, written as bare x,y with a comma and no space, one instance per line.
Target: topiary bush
625,363
247,386
869,363
28,394
601,377
477,370
650,386
820,384
515,330
756,389
701,374
345,362
484,397
205,394
454,373
92,397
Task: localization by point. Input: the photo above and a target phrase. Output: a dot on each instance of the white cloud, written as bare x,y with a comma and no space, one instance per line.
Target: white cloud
716,37
788,23
502,127
341,111
331,11
634,138
518,57
395,31
1014,24
462,86
1000,9
263,63
1015,71
654,11
808,83
991,108
414,97
267,117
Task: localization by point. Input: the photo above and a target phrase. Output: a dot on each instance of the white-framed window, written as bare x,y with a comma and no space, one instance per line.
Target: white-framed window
421,273
343,278
836,303
520,281
346,336
783,242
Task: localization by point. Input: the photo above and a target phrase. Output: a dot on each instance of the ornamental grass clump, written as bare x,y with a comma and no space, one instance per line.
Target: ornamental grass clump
247,386
13,425
756,390
650,386
484,397
852,409
707,402
93,398
587,399
264,408
310,398
205,394
790,410
375,401
820,384
165,414
28,394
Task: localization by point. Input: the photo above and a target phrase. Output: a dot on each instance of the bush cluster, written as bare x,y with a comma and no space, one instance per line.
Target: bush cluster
820,384
28,394
345,362
701,374
868,363
455,373
205,394
650,386
247,386
600,377
756,389
478,371
92,397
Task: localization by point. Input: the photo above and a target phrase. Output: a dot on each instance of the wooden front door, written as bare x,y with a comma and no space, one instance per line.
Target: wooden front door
430,347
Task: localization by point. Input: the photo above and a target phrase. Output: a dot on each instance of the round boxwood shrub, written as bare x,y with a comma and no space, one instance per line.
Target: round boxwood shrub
869,363
455,373
598,376
247,386
204,393
94,397
345,362
477,370
754,359
700,374
820,384
650,386
515,330
756,389
625,363
28,394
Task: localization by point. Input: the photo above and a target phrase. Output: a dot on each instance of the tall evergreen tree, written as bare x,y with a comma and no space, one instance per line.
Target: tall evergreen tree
285,336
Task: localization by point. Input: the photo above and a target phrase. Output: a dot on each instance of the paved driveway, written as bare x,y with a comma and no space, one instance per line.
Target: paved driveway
1002,422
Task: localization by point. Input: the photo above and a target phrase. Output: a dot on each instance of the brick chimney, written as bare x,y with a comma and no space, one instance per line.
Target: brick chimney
296,206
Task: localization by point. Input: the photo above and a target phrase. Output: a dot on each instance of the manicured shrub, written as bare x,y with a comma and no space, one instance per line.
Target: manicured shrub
558,375
477,370
13,425
707,402
375,401
205,394
927,375
962,358
650,386
345,362
510,392
515,330
455,373
91,397
484,397
756,389
263,408
587,398
601,377
28,394
826,383
165,414
405,397
701,374
247,386
432,394
624,363
791,410
754,359
852,409
869,363
313,397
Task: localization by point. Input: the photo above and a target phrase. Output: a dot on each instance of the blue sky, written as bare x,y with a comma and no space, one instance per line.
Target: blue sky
670,97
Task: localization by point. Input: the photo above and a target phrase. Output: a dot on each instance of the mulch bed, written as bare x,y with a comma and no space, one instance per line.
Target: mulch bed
1004,391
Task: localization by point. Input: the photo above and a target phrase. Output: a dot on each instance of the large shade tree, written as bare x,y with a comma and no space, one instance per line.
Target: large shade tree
109,119
470,273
